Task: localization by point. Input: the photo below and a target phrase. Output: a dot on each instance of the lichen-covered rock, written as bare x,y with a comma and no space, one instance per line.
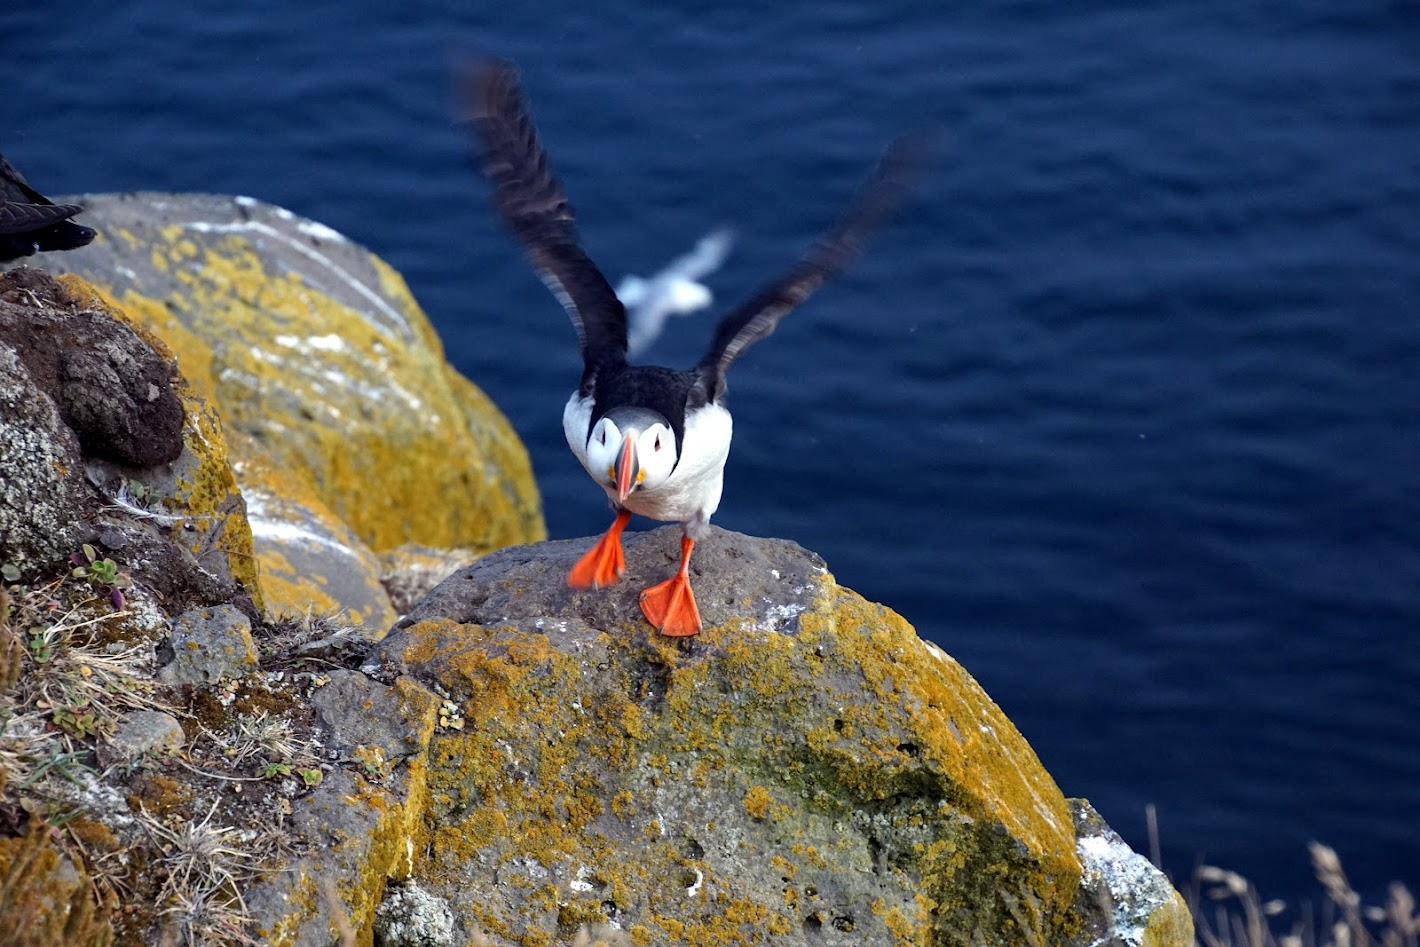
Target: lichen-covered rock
314,347
366,824
807,766
210,644
311,561
44,482
409,916
805,771
1144,909
188,535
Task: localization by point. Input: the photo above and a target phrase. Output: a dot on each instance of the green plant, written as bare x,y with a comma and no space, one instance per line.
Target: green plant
275,769
103,573
77,721
41,645
312,777
69,765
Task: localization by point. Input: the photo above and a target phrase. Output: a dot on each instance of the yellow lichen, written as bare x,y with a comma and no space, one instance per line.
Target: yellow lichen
1170,924
757,802
401,447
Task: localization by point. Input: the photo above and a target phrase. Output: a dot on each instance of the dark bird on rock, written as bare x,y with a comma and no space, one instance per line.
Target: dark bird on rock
655,439
30,222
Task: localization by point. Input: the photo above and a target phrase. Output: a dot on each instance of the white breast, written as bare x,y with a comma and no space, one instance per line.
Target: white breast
692,492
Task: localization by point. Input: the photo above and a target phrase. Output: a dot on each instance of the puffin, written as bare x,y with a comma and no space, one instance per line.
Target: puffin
31,222
655,439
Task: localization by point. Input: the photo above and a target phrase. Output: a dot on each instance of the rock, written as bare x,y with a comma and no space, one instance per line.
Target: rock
411,572
1144,908
806,767
43,486
313,348
142,732
210,644
409,916
61,487
364,720
311,561
366,824
112,388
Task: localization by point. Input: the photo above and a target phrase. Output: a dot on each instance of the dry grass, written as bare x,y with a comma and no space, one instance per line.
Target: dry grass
205,866
175,853
1228,911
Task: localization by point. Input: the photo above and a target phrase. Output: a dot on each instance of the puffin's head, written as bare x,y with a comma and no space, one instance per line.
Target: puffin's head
631,449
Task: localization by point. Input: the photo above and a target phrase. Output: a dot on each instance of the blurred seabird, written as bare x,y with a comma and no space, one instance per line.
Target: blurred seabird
674,291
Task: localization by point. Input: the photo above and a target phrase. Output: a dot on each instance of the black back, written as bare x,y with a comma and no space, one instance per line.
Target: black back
663,390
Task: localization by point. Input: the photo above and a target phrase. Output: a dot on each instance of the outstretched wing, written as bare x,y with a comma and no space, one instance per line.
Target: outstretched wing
22,208
531,202
875,201
24,218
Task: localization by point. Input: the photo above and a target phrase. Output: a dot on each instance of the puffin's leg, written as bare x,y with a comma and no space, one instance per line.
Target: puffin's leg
670,606
604,562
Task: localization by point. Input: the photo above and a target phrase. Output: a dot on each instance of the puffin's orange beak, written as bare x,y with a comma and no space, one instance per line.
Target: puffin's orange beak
626,470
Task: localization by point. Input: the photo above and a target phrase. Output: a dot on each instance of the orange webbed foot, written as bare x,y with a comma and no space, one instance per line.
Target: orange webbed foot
670,606
604,563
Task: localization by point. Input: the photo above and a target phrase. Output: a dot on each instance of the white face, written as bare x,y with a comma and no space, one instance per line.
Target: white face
653,455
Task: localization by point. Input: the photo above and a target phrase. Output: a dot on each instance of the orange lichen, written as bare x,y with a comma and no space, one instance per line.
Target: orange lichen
400,446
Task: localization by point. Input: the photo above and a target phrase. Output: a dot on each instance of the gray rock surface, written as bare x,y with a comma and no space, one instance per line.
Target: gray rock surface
112,388
43,483
806,771
141,732
210,644
410,916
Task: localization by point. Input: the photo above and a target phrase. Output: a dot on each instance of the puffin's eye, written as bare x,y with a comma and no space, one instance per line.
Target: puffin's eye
658,442
602,435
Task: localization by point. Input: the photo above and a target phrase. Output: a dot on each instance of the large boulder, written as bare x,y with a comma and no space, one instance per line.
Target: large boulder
805,771
91,408
323,369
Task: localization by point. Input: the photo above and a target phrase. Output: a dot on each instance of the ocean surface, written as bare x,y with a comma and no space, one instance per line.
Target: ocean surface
1123,412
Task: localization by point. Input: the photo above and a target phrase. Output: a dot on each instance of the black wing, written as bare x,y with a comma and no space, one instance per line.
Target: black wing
531,202
23,218
875,201
29,221
22,208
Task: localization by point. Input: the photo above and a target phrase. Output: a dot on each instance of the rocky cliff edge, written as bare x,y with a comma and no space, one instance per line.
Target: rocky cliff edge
514,763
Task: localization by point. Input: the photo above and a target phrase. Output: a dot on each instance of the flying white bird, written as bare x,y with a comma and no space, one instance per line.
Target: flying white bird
674,291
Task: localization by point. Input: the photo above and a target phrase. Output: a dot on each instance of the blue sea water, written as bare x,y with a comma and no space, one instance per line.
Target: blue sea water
1122,412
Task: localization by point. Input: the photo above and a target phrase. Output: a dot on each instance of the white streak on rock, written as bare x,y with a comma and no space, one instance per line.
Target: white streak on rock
320,259
1136,887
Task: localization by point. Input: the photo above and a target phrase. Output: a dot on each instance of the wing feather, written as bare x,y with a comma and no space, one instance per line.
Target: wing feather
878,198
532,204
